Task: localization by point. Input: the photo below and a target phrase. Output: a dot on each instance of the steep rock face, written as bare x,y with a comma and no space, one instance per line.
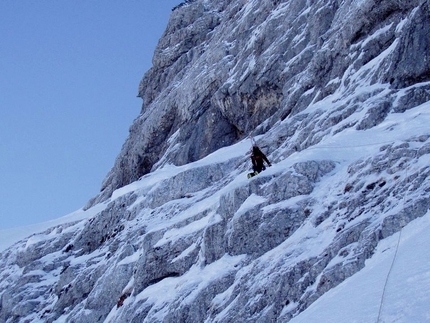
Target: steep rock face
338,101
222,68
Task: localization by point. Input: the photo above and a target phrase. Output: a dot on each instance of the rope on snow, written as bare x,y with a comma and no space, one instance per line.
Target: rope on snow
392,265
388,277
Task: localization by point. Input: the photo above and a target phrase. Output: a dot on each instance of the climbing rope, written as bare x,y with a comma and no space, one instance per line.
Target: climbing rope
388,277
392,263
252,140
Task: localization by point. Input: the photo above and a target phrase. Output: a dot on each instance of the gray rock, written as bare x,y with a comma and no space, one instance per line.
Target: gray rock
205,244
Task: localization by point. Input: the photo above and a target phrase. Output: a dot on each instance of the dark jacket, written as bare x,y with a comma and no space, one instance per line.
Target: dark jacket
258,158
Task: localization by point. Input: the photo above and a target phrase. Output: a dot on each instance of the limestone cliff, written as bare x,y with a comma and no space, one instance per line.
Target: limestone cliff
224,67
337,93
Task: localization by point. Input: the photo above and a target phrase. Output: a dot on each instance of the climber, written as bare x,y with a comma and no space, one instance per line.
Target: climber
258,158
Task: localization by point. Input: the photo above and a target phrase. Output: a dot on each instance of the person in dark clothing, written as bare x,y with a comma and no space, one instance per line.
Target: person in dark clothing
258,158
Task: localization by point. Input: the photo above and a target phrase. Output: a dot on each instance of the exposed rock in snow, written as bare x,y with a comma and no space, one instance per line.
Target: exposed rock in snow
222,68
335,92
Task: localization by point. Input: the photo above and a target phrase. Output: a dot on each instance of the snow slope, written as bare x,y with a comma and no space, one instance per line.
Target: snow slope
392,287
10,236
190,238
357,299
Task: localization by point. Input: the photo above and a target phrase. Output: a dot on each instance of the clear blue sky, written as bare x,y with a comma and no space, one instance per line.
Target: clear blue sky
69,73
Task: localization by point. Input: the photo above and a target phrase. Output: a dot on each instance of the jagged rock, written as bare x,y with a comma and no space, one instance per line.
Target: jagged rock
335,93
273,61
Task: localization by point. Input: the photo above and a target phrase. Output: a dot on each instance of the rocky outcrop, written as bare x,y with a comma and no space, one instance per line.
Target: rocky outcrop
335,92
221,69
